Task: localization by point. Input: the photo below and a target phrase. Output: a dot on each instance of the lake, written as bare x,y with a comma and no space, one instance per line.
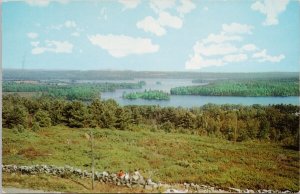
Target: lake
187,100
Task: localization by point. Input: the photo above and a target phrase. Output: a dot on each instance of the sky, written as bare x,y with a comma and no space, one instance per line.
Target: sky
152,35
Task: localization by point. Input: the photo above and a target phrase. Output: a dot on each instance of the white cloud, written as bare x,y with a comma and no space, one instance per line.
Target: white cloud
205,8
44,3
157,26
214,49
271,9
161,5
249,47
235,58
221,49
149,24
32,35
165,19
41,3
121,45
35,43
219,38
236,28
262,56
198,62
70,24
185,7
229,33
38,50
130,4
52,46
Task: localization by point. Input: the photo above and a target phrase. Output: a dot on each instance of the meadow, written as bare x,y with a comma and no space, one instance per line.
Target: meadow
165,157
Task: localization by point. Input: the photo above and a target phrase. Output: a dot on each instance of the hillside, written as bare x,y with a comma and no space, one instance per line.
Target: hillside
166,157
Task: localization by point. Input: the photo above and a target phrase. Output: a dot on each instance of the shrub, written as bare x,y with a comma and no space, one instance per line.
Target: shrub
19,128
35,127
43,118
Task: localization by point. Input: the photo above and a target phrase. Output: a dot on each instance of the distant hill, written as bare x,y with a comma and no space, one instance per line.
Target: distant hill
16,74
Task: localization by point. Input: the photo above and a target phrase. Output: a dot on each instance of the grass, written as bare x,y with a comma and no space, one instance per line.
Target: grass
166,157
51,183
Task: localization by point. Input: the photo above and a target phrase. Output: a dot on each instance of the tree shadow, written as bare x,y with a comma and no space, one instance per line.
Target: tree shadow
291,147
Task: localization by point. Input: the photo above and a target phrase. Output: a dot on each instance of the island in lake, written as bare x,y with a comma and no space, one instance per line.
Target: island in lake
148,95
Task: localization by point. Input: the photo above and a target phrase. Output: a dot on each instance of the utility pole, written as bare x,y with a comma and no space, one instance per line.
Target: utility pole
93,161
236,118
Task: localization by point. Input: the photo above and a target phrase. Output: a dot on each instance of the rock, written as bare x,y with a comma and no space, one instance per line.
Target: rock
126,176
148,187
165,186
234,190
197,187
286,191
149,181
186,184
135,177
154,185
105,174
141,182
175,191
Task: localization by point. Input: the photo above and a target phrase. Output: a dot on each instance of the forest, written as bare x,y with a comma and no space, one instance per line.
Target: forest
148,95
278,87
78,91
276,123
18,74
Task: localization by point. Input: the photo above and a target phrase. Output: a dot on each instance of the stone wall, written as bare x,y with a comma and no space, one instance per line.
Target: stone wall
132,180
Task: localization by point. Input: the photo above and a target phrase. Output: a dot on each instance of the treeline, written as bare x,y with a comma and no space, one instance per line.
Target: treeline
80,91
278,123
148,95
15,74
289,87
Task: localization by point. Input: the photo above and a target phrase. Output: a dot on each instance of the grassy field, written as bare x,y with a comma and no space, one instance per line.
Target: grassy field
166,157
52,183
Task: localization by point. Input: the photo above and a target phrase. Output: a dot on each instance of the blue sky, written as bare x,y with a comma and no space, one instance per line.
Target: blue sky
157,35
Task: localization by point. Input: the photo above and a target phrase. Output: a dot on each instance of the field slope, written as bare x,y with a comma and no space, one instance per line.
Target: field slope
166,157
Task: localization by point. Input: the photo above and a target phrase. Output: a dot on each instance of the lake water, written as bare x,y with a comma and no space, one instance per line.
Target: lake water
187,100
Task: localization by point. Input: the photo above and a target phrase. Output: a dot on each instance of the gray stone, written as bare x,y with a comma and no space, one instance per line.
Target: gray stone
135,177
105,174
148,187
149,181
286,191
154,185
141,182
234,190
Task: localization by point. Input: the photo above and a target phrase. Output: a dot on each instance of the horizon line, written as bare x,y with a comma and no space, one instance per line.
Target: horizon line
19,69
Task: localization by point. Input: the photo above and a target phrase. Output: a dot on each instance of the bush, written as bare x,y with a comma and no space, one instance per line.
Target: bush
36,127
43,118
19,128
